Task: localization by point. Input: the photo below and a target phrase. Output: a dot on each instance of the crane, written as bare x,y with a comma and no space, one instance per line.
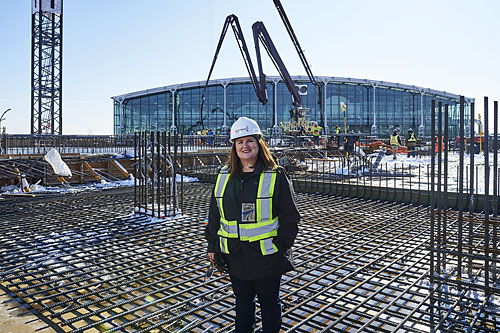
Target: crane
260,35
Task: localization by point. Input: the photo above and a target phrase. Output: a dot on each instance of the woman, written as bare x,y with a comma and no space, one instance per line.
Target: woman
253,222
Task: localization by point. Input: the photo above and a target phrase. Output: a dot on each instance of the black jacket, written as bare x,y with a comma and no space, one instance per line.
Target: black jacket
245,260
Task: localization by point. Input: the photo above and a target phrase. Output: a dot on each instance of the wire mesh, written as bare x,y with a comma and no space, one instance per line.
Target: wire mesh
82,262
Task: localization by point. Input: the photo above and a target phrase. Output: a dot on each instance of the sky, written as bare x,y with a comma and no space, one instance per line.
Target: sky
114,47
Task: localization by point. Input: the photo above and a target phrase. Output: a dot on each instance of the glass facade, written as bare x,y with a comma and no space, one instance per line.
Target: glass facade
383,104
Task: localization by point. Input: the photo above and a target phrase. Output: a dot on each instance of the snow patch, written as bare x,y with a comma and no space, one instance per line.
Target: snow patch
185,179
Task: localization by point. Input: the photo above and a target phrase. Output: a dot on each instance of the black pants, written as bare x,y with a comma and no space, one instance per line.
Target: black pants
267,291
411,151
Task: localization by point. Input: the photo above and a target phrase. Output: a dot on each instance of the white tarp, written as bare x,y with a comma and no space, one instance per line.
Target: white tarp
51,6
59,166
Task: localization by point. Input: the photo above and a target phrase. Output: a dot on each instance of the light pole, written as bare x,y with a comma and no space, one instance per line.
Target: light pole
374,126
2,118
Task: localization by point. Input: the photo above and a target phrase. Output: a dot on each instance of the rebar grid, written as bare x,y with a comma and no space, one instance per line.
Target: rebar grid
82,262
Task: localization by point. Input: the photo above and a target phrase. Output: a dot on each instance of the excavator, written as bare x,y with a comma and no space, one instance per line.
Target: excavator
298,114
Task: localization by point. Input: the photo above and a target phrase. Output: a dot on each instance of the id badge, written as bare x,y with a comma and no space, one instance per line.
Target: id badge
248,212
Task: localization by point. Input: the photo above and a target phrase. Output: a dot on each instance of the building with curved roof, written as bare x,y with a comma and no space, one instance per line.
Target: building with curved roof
372,106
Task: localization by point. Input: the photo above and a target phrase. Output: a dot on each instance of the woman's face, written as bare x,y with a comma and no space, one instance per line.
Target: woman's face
247,149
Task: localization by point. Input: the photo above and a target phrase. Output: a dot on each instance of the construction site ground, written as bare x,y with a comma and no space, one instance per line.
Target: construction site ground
83,262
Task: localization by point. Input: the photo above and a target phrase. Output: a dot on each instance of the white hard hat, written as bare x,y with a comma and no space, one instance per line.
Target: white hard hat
244,127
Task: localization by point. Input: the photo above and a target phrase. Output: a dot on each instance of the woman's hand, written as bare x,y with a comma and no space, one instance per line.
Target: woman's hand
211,256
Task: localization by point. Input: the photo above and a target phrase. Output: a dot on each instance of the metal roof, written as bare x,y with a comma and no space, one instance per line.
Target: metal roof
328,79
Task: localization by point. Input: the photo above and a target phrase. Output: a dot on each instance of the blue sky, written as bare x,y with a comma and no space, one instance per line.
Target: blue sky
113,47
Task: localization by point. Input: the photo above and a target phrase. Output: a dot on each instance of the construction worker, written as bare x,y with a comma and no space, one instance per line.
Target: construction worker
316,129
337,136
301,138
204,133
395,142
211,137
411,143
252,224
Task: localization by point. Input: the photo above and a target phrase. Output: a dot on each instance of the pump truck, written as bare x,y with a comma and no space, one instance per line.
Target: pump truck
298,113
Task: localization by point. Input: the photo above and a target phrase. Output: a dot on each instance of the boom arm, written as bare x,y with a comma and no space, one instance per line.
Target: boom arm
260,34
301,54
235,25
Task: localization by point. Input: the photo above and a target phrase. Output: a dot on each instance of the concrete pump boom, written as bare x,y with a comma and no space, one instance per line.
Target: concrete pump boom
301,54
238,33
259,34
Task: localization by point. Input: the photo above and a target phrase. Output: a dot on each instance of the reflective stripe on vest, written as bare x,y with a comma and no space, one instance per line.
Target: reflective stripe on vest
265,226
412,138
223,245
267,246
228,229
394,140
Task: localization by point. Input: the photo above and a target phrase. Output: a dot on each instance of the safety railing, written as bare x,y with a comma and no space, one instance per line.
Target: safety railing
15,144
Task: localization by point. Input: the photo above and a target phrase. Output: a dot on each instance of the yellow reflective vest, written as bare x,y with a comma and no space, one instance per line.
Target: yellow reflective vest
316,130
263,228
394,140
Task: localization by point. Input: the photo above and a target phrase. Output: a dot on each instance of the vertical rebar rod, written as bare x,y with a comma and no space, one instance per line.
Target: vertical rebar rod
170,171
433,206
403,182
471,187
153,171
146,171
461,186
141,169
159,172
165,172
182,174
445,180
438,144
495,162
428,167
135,169
174,177
495,185
486,197
432,196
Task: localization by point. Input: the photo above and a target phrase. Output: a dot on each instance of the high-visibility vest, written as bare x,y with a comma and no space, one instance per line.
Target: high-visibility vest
412,138
394,140
316,130
263,229
338,130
